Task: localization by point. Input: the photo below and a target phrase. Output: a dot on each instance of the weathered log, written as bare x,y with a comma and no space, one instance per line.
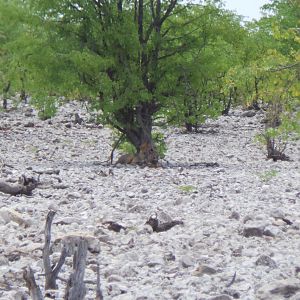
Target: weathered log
24,186
76,287
34,290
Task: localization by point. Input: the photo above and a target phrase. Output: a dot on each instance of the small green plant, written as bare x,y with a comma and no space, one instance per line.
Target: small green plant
187,188
268,175
126,147
160,144
46,105
33,149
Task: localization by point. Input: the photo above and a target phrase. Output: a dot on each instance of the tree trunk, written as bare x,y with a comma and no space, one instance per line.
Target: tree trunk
138,131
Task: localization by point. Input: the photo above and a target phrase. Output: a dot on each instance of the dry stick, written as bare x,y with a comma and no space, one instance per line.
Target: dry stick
232,280
99,295
34,290
116,145
76,287
51,275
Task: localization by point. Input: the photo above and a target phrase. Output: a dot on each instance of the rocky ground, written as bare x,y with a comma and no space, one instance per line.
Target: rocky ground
240,237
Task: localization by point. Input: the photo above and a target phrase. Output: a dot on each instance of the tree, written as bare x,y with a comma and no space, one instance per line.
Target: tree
119,55
276,68
215,48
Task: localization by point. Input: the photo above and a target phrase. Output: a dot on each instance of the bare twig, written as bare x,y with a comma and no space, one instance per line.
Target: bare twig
232,280
116,145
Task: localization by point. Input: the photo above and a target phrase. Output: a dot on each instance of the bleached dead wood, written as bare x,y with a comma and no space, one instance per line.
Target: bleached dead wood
76,287
51,275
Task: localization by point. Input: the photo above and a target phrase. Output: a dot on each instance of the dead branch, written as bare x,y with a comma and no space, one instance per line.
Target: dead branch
24,186
76,287
34,290
160,227
116,145
51,274
232,280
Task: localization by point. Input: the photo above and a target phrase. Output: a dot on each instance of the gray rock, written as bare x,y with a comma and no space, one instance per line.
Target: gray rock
163,217
130,194
187,261
271,231
254,229
14,295
114,278
277,213
68,220
249,113
115,289
295,297
154,261
3,261
136,208
247,219
265,260
233,293
234,215
74,195
221,297
204,269
279,290
10,215
128,270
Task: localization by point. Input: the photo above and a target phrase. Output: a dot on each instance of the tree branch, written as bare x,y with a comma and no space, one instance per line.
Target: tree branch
168,11
280,68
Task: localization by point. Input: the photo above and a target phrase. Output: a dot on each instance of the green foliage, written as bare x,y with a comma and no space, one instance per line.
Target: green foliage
159,143
46,106
187,188
127,147
215,49
268,175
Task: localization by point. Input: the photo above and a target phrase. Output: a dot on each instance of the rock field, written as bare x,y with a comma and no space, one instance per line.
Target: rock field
240,237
